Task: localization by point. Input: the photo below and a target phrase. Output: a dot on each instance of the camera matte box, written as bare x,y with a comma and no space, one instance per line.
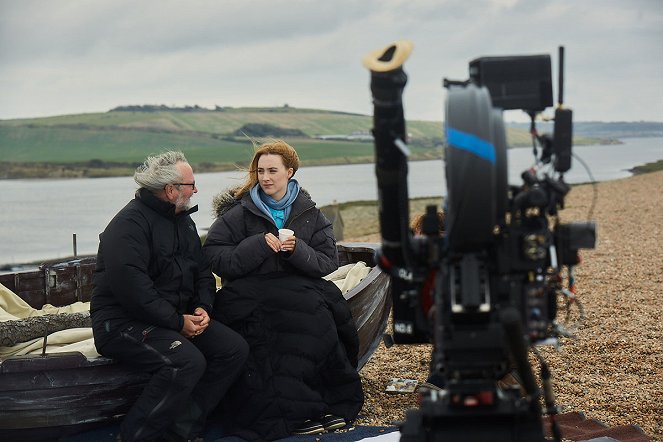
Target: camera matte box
515,82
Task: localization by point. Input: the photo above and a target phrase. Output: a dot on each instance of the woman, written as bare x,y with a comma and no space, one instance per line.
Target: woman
301,373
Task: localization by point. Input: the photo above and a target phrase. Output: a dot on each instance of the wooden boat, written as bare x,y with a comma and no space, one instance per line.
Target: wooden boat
51,395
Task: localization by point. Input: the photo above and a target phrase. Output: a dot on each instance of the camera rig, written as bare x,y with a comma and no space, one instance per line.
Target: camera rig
485,290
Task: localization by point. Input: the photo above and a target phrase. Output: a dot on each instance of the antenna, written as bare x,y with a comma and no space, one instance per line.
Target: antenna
563,130
560,77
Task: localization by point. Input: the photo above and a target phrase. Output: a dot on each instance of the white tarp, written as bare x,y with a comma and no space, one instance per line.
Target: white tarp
12,307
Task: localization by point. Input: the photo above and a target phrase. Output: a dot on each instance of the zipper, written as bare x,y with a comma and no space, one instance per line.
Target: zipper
298,215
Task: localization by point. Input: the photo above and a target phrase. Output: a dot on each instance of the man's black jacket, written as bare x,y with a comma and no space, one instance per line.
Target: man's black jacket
150,266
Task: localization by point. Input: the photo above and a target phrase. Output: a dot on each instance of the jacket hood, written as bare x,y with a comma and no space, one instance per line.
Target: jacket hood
224,201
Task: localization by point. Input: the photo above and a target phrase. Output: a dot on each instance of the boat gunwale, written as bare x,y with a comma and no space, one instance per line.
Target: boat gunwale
51,361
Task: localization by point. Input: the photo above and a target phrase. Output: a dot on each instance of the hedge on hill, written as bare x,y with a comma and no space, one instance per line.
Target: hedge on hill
267,130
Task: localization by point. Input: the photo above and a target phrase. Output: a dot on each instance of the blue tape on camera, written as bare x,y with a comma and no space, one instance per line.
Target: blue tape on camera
471,143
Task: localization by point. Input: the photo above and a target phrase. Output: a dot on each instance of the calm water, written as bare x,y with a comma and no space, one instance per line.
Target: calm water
38,217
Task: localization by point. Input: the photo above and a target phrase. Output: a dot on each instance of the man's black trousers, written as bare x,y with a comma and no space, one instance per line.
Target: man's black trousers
189,376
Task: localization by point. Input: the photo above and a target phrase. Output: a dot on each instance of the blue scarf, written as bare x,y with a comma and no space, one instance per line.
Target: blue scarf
278,211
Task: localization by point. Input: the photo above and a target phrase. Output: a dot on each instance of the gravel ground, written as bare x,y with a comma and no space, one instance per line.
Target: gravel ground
612,369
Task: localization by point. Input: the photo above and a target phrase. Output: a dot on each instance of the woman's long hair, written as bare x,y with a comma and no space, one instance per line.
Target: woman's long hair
273,147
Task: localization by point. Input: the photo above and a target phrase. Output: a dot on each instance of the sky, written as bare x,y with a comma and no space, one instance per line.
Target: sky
77,56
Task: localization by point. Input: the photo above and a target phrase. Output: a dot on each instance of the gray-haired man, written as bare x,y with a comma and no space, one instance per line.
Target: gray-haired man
153,289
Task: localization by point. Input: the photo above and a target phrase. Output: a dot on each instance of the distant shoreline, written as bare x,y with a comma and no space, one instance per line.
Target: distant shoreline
21,171
49,170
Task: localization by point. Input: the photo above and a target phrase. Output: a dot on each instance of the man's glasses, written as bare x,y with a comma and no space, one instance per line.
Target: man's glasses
193,185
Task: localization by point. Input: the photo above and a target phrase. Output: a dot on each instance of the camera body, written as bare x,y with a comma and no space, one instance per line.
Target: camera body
486,289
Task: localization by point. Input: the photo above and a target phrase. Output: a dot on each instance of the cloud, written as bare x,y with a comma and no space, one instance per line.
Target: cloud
71,56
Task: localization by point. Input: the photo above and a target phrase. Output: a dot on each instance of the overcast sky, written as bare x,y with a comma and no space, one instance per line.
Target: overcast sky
77,56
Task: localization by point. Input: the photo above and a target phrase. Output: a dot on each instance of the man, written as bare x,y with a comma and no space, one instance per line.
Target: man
153,289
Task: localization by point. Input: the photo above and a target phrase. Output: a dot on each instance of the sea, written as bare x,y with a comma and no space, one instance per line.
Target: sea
47,219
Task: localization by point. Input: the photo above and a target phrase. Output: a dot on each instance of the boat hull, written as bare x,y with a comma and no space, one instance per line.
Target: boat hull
48,396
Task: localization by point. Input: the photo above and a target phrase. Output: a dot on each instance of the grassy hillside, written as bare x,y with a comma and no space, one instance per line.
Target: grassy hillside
113,142
205,136
311,122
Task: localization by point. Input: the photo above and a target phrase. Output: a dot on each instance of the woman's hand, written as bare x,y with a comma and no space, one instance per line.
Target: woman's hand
273,242
289,244
286,246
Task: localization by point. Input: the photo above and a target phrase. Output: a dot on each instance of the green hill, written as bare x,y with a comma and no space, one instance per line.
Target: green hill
102,144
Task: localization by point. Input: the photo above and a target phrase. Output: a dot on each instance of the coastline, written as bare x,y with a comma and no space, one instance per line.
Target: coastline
36,171
92,169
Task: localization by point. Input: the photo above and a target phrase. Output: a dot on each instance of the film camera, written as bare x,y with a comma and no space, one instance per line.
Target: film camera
485,291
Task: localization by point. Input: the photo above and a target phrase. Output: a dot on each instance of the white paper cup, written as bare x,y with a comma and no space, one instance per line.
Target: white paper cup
285,234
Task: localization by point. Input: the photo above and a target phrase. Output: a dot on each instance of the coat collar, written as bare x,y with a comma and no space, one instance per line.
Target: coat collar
164,208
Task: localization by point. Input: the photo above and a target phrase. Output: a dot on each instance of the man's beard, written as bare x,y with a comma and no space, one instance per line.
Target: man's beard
182,203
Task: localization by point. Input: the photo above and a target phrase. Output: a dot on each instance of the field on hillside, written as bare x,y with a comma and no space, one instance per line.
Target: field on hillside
66,145
311,122
112,143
